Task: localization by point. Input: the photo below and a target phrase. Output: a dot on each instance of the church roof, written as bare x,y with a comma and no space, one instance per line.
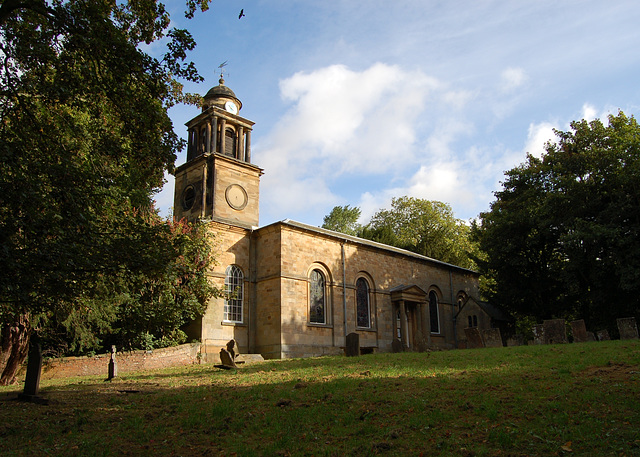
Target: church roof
374,244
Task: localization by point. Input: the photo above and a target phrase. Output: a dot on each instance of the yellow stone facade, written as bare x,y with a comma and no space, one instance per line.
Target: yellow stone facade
283,311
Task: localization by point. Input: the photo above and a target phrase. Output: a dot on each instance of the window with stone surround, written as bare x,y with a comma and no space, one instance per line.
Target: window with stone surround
234,294
433,312
363,306
317,297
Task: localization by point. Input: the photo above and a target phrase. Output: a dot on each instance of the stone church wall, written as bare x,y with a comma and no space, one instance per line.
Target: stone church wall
232,247
268,290
304,250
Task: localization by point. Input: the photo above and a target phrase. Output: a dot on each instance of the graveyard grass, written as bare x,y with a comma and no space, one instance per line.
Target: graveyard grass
571,399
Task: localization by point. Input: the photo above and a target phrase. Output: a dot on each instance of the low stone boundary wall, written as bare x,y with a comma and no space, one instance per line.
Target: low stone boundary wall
185,354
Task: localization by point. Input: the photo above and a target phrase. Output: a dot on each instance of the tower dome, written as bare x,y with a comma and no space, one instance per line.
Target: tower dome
222,97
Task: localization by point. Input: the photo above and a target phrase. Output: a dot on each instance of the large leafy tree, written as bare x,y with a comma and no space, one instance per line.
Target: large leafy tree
84,142
425,227
562,238
343,219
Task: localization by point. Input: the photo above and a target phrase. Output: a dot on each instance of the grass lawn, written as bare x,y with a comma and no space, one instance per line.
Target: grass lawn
572,399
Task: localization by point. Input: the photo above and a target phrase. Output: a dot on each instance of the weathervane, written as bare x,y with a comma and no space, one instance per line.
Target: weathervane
221,67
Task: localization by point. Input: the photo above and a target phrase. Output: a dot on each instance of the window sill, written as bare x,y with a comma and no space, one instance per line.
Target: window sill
233,324
313,324
366,329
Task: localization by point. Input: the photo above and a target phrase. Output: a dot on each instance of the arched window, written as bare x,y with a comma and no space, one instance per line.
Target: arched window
230,142
234,292
317,298
475,320
433,312
470,321
363,308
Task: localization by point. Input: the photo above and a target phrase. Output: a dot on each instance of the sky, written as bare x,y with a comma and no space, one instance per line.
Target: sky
356,102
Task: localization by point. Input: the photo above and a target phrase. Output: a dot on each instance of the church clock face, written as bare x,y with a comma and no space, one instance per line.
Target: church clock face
231,107
236,196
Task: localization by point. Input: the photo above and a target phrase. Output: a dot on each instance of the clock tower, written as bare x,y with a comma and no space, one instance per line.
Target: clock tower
218,181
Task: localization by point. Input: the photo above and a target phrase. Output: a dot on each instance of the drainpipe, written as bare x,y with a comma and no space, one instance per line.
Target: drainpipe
344,292
453,305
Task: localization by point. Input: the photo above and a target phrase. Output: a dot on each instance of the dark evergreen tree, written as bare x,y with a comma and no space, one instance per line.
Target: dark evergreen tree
85,140
562,238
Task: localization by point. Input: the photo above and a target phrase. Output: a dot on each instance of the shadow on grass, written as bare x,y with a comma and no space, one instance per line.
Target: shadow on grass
509,401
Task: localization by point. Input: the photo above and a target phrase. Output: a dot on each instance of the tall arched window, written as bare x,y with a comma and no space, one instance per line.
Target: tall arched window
433,312
234,292
317,299
230,142
363,308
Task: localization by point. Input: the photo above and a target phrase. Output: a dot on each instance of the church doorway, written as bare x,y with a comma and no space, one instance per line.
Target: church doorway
411,326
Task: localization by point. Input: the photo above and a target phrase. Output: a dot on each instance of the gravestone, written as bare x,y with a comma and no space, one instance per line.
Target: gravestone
603,335
227,359
579,331
34,369
628,328
474,339
492,338
113,365
538,334
232,348
555,331
396,345
352,347
421,343
516,340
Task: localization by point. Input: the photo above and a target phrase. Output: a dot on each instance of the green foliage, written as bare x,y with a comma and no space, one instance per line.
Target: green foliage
85,140
562,237
425,227
343,219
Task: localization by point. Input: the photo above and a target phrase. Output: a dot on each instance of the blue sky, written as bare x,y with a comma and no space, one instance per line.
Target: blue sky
356,102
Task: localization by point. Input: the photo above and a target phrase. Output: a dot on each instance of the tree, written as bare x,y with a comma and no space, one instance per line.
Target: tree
425,227
343,219
561,238
84,142
146,309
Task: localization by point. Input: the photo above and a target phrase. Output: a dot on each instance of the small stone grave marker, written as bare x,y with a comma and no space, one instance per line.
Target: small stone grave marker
628,328
396,345
579,331
555,331
516,340
603,335
538,334
226,359
352,347
492,338
474,339
113,365
32,379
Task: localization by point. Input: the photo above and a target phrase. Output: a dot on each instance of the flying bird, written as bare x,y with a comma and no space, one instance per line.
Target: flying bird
241,15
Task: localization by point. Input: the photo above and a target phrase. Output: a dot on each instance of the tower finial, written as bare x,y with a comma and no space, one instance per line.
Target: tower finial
221,67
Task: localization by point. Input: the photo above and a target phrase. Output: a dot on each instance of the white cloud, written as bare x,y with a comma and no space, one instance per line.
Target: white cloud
589,112
341,122
512,79
538,136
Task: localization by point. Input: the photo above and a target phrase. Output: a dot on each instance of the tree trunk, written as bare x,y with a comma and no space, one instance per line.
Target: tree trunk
15,347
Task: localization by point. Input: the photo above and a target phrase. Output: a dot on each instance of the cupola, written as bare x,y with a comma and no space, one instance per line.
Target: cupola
222,97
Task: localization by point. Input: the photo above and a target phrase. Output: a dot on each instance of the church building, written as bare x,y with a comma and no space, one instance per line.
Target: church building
294,290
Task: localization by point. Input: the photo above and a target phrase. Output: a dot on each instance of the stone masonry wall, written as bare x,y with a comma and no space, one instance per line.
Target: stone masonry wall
128,362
